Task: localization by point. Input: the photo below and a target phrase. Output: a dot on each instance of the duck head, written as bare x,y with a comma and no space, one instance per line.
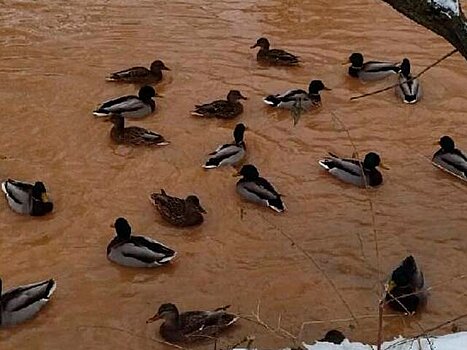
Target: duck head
238,133
402,275
447,144
147,92
356,59
235,95
372,160
194,202
39,192
122,228
249,172
263,43
168,312
316,86
405,67
333,336
157,66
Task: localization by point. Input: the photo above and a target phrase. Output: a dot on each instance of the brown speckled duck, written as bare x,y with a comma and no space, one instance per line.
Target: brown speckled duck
191,326
140,74
134,135
223,109
274,56
177,211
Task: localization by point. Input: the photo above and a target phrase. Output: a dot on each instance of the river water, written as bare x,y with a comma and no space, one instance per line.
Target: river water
54,57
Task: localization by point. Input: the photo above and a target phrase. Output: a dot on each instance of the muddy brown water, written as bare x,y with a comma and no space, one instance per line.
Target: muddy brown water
53,59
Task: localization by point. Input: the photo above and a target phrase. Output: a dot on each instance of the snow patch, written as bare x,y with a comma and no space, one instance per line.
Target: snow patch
448,7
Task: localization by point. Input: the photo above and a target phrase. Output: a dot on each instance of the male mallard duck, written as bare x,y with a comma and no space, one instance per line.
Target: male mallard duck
354,171
134,135
136,251
372,70
22,303
451,159
274,56
27,198
191,326
177,211
257,189
230,153
406,279
129,106
333,336
224,109
409,90
140,74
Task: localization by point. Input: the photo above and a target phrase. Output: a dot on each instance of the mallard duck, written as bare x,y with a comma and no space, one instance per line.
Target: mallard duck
274,56
136,251
140,74
406,279
130,106
134,135
257,189
230,153
333,336
191,326
372,70
451,159
354,171
177,211
27,198
22,303
223,109
409,89
298,97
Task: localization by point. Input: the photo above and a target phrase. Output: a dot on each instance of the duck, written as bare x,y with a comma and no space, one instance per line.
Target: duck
177,211
130,106
134,135
354,171
136,251
274,56
22,303
230,153
191,326
140,74
450,158
406,279
409,89
372,70
333,336
258,190
223,109
27,198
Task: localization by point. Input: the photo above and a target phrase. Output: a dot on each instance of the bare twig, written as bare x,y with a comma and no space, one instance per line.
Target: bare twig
380,324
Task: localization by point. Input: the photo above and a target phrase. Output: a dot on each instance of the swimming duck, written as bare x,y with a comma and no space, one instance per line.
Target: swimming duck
130,106
224,109
372,70
177,211
230,153
191,326
350,170
333,336
134,135
406,279
27,198
451,159
22,303
409,89
136,251
274,56
140,74
257,189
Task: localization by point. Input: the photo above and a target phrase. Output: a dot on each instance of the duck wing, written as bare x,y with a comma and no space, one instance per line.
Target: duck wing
454,161
261,188
169,206
147,250
21,297
19,192
378,66
214,108
282,56
225,153
409,90
130,73
119,105
137,136
199,324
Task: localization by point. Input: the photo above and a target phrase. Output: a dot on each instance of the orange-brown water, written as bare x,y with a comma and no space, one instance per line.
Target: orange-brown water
53,61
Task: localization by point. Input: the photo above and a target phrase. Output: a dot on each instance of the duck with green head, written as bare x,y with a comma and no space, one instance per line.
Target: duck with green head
450,159
229,153
409,89
27,198
371,70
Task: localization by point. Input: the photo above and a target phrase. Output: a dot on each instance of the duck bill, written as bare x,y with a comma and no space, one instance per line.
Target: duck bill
346,62
153,318
44,197
201,209
436,143
236,174
326,88
165,68
390,286
255,45
243,97
158,95
381,165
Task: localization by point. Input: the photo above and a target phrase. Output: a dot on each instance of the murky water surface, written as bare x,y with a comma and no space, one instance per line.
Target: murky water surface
54,57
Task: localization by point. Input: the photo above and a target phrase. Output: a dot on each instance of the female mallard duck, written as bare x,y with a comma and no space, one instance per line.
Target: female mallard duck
136,251
27,198
22,303
134,135
257,189
274,56
372,70
407,280
140,74
451,159
230,153
223,109
130,106
354,171
409,89
191,326
177,211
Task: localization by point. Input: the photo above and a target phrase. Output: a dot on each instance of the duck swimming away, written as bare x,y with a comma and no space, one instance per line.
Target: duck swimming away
409,90
230,153
274,56
372,70
27,198
450,159
140,74
223,109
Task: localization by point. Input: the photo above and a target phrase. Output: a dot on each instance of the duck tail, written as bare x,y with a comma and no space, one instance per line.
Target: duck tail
100,113
276,204
211,163
326,163
272,100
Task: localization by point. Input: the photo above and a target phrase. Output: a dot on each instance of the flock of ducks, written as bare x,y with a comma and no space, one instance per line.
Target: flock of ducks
405,289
